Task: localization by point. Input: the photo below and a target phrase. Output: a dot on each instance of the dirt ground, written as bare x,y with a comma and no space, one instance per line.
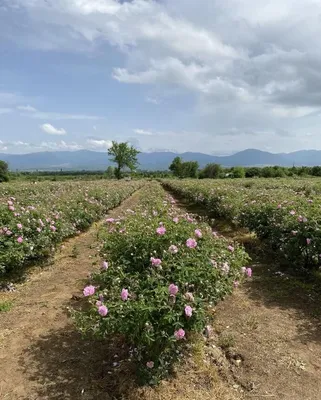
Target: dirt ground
266,340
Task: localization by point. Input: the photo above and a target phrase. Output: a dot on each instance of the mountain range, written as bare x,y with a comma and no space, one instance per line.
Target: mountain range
91,160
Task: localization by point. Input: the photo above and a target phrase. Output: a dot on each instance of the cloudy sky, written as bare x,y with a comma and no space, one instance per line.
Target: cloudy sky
186,75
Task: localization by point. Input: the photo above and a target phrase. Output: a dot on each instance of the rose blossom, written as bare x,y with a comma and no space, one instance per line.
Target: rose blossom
124,294
156,262
173,289
191,243
180,334
188,311
161,230
103,311
104,265
198,233
89,290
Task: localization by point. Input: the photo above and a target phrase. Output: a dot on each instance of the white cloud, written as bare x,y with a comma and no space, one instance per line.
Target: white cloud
26,108
59,116
99,143
55,146
143,132
51,130
152,100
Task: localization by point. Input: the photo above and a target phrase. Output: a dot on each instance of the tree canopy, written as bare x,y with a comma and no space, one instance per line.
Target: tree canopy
182,169
4,171
124,155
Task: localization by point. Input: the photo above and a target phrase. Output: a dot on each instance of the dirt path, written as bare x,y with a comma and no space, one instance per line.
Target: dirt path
269,330
41,355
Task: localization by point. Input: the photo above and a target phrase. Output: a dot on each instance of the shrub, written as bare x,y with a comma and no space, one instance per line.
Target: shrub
165,271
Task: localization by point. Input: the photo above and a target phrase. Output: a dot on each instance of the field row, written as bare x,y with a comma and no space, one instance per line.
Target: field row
286,214
34,218
162,272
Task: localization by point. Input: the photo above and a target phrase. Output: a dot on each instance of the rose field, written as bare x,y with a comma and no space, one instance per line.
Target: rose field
175,289
34,218
285,214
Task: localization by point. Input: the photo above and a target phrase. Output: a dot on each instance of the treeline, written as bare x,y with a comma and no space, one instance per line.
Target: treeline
190,169
77,175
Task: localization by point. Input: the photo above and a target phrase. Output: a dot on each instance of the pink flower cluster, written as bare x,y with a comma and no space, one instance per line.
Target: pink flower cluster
173,289
156,262
179,334
191,243
89,290
124,294
247,271
161,230
198,233
104,266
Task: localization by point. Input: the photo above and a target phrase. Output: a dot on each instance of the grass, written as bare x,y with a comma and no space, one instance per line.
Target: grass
5,306
226,340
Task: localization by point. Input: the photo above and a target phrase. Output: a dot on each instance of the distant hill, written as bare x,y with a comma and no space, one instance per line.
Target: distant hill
91,160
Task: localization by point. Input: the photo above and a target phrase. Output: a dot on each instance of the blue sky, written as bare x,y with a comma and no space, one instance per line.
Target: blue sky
211,76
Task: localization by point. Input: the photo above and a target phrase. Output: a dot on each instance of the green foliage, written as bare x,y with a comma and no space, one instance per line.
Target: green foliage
110,172
124,155
5,306
238,172
150,316
252,172
212,171
182,169
4,172
176,166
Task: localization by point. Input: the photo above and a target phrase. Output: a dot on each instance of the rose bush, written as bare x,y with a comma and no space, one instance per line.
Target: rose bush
286,214
34,218
164,272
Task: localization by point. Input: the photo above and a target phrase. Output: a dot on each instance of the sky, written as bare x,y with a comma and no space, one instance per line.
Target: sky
180,75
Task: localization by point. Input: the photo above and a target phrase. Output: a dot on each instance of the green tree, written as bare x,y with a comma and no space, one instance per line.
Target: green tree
316,170
182,169
124,155
212,171
176,166
238,172
4,171
189,169
252,172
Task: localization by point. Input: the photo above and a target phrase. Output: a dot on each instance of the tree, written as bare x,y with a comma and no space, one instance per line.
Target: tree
238,172
212,171
252,172
182,169
189,169
176,166
124,155
4,171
